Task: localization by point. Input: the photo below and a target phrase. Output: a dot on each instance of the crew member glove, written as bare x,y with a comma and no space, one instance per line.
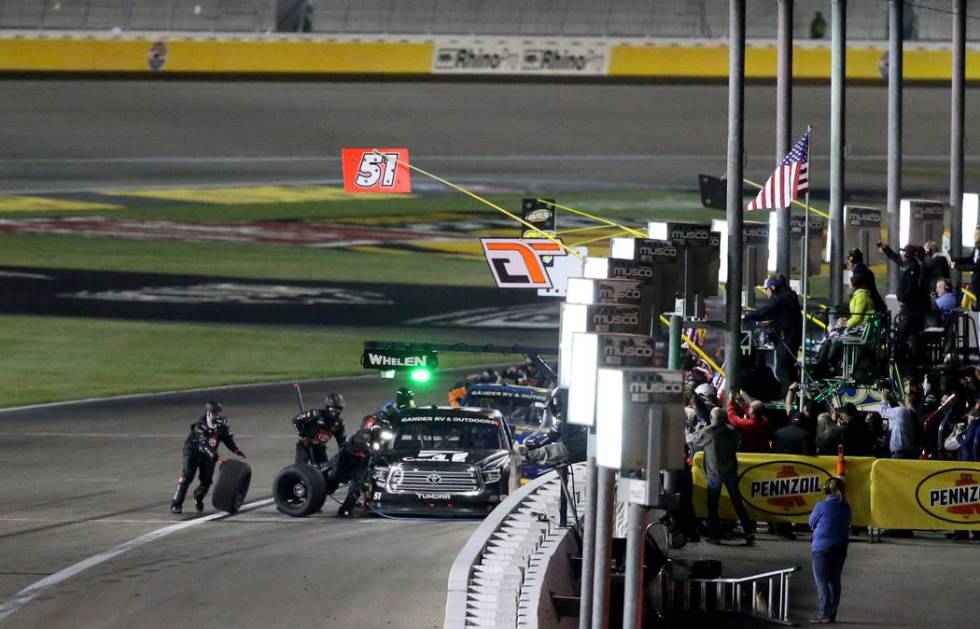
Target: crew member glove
241,454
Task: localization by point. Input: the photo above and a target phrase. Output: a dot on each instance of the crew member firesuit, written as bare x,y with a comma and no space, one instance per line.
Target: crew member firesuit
201,453
316,427
351,464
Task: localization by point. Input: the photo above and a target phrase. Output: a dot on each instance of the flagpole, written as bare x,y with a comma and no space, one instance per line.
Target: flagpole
805,280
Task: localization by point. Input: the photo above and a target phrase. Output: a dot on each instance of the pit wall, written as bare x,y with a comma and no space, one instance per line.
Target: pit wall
43,52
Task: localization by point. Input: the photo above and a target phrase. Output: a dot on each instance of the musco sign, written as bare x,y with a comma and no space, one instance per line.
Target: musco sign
693,235
858,216
787,488
664,387
629,270
397,359
627,350
951,495
617,319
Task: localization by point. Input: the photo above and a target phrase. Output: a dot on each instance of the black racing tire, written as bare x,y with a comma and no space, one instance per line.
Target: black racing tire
232,486
299,490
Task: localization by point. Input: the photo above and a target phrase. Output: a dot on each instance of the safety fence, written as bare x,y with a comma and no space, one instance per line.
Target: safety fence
588,59
868,19
882,493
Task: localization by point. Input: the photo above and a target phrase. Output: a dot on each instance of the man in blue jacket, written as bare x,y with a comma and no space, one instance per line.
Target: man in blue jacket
830,521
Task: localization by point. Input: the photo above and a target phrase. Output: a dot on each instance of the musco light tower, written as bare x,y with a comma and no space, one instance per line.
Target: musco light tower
619,387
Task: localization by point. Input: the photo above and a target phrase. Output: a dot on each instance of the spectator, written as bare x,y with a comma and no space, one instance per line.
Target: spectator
861,307
720,443
935,266
751,424
968,437
831,524
913,296
705,399
830,434
860,269
856,435
818,26
902,421
972,263
945,299
910,23
792,438
294,16
785,318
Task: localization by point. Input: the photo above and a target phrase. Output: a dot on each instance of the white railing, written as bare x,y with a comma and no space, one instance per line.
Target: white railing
702,19
763,596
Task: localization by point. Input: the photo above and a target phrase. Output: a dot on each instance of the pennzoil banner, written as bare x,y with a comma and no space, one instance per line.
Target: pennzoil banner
785,488
925,495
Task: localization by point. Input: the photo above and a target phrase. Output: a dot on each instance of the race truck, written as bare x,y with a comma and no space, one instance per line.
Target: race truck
525,409
445,460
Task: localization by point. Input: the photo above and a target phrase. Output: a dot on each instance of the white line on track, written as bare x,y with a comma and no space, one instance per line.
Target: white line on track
30,592
163,394
273,518
128,435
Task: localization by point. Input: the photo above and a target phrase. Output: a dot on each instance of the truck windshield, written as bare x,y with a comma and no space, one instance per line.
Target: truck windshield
448,433
515,411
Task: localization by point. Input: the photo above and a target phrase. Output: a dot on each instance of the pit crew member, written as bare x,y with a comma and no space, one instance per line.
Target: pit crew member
201,453
316,427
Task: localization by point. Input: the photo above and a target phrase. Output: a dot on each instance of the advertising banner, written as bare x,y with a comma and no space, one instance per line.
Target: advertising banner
627,350
925,495
510,55
785,488
376,170
520,262
543,216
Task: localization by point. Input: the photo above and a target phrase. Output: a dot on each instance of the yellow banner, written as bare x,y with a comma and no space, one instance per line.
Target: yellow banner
925,495
214,55
785,488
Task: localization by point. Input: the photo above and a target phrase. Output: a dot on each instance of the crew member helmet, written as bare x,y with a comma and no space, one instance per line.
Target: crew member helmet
335,401
404,399
706,390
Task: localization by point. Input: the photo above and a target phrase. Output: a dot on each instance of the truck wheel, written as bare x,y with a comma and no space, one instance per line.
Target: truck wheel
299,490
233,481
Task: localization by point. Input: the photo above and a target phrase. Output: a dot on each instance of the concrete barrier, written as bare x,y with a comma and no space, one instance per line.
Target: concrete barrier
503,571
174,53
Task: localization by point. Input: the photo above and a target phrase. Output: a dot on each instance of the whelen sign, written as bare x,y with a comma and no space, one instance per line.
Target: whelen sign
394,359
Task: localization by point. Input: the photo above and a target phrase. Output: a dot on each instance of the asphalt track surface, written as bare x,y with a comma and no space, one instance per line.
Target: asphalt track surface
95,134
80,479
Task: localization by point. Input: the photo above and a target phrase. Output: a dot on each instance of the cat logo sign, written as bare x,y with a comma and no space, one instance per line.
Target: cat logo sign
787,488
951,495
517,262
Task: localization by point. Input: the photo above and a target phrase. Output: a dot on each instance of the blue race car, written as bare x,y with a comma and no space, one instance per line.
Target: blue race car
525,409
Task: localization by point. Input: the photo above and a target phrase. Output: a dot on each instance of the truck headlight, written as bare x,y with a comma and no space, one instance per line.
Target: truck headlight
491,476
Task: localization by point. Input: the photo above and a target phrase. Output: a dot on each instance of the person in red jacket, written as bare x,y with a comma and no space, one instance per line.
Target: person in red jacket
750,423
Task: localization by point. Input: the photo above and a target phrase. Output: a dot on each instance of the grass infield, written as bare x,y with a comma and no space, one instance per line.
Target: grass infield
49,359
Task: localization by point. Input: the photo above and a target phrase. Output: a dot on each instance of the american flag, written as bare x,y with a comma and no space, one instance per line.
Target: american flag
789,179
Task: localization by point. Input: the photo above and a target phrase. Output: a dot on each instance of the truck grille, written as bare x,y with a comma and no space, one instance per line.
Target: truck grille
455,481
